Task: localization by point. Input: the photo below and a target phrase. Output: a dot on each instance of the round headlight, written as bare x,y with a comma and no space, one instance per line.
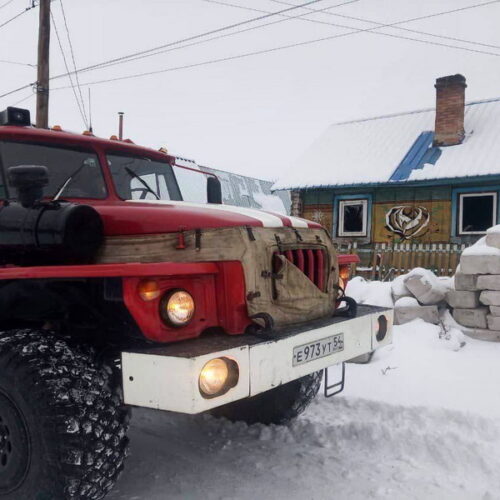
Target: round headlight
217,377
177,307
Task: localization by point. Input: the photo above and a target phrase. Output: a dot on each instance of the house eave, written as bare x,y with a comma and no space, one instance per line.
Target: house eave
455,181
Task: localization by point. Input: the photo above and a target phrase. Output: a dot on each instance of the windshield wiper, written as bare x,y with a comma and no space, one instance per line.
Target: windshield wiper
68,180
142,181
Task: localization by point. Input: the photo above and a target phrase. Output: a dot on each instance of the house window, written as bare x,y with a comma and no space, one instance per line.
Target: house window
477,212
353,217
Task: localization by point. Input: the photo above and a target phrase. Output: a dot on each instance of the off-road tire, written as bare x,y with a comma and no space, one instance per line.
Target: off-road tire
62,422
276,406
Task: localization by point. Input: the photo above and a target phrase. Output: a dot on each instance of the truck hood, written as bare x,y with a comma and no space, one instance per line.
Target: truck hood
155,217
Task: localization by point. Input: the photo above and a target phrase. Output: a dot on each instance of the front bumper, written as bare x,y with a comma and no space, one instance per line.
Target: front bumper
166,377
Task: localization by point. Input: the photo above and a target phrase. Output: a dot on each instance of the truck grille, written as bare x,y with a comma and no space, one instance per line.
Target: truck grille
311,261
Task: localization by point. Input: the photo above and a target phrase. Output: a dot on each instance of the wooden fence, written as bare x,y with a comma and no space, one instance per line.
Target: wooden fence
386,261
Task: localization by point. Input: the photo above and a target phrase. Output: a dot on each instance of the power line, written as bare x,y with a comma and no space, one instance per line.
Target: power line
392,25
218,37
380,25
354,30
279,48
23,99
17,63
74,61
82,114
199,35
15,17
6,3
288,46
17,90
178,42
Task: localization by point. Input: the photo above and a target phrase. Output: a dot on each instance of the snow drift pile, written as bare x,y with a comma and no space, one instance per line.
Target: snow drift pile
476,297
418,294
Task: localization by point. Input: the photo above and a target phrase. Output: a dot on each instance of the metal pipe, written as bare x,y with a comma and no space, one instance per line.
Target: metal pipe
120,125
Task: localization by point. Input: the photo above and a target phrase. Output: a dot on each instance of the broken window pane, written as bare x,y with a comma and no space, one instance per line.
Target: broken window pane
352,218
477,212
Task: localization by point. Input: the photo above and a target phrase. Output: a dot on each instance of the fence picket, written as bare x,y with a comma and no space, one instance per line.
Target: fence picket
392,259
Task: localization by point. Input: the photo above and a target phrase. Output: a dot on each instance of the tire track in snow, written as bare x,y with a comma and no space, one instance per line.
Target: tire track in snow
341,448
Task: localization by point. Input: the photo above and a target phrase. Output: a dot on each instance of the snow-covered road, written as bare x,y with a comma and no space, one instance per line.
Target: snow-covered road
419,422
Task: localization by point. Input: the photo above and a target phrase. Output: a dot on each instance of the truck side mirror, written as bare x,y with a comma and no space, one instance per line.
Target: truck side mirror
214,190
29,181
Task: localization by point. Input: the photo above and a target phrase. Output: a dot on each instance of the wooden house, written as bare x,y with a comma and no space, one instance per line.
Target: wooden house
420,183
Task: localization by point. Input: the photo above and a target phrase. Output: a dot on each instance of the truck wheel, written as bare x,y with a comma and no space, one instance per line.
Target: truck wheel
276,406
62,423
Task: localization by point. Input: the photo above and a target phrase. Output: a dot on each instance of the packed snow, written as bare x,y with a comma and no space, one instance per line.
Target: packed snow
406,302
421,421
481,247
441,285
375,293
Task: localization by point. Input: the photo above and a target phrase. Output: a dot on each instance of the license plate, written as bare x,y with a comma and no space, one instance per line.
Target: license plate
318,349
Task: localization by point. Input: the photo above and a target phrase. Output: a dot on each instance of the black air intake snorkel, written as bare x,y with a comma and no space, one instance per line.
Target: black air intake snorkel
37,232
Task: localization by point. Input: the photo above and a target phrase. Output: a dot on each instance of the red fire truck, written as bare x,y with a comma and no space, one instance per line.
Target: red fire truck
114,292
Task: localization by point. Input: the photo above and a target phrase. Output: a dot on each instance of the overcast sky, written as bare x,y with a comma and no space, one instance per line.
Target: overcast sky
252,115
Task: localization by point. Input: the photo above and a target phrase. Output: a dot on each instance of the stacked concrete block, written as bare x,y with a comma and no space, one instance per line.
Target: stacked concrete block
488,282
417,295
425,288
466,282
482,334
476,298
462,299
407,309
473,318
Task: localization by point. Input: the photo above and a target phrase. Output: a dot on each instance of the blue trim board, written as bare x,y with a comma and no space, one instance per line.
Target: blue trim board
417,156
335,209
421,153
477,189
453,181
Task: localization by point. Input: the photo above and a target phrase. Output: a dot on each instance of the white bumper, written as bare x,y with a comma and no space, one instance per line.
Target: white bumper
166,378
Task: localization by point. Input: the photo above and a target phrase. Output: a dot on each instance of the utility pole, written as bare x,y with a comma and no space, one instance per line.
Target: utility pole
42,84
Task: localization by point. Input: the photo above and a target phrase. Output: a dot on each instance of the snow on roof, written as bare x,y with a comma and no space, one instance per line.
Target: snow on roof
398,147
238,190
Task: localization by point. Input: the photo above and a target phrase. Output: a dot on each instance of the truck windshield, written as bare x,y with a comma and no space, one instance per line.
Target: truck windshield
61,163
158,180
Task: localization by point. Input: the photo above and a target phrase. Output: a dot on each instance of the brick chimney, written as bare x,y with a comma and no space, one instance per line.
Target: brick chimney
450,102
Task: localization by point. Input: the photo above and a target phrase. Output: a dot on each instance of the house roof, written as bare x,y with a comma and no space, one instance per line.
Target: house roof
398,148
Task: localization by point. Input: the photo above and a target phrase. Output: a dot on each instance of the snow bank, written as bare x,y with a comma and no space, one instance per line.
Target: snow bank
419,422
388,294
406,302
398,287
375,293
422,368
481,248
493,229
